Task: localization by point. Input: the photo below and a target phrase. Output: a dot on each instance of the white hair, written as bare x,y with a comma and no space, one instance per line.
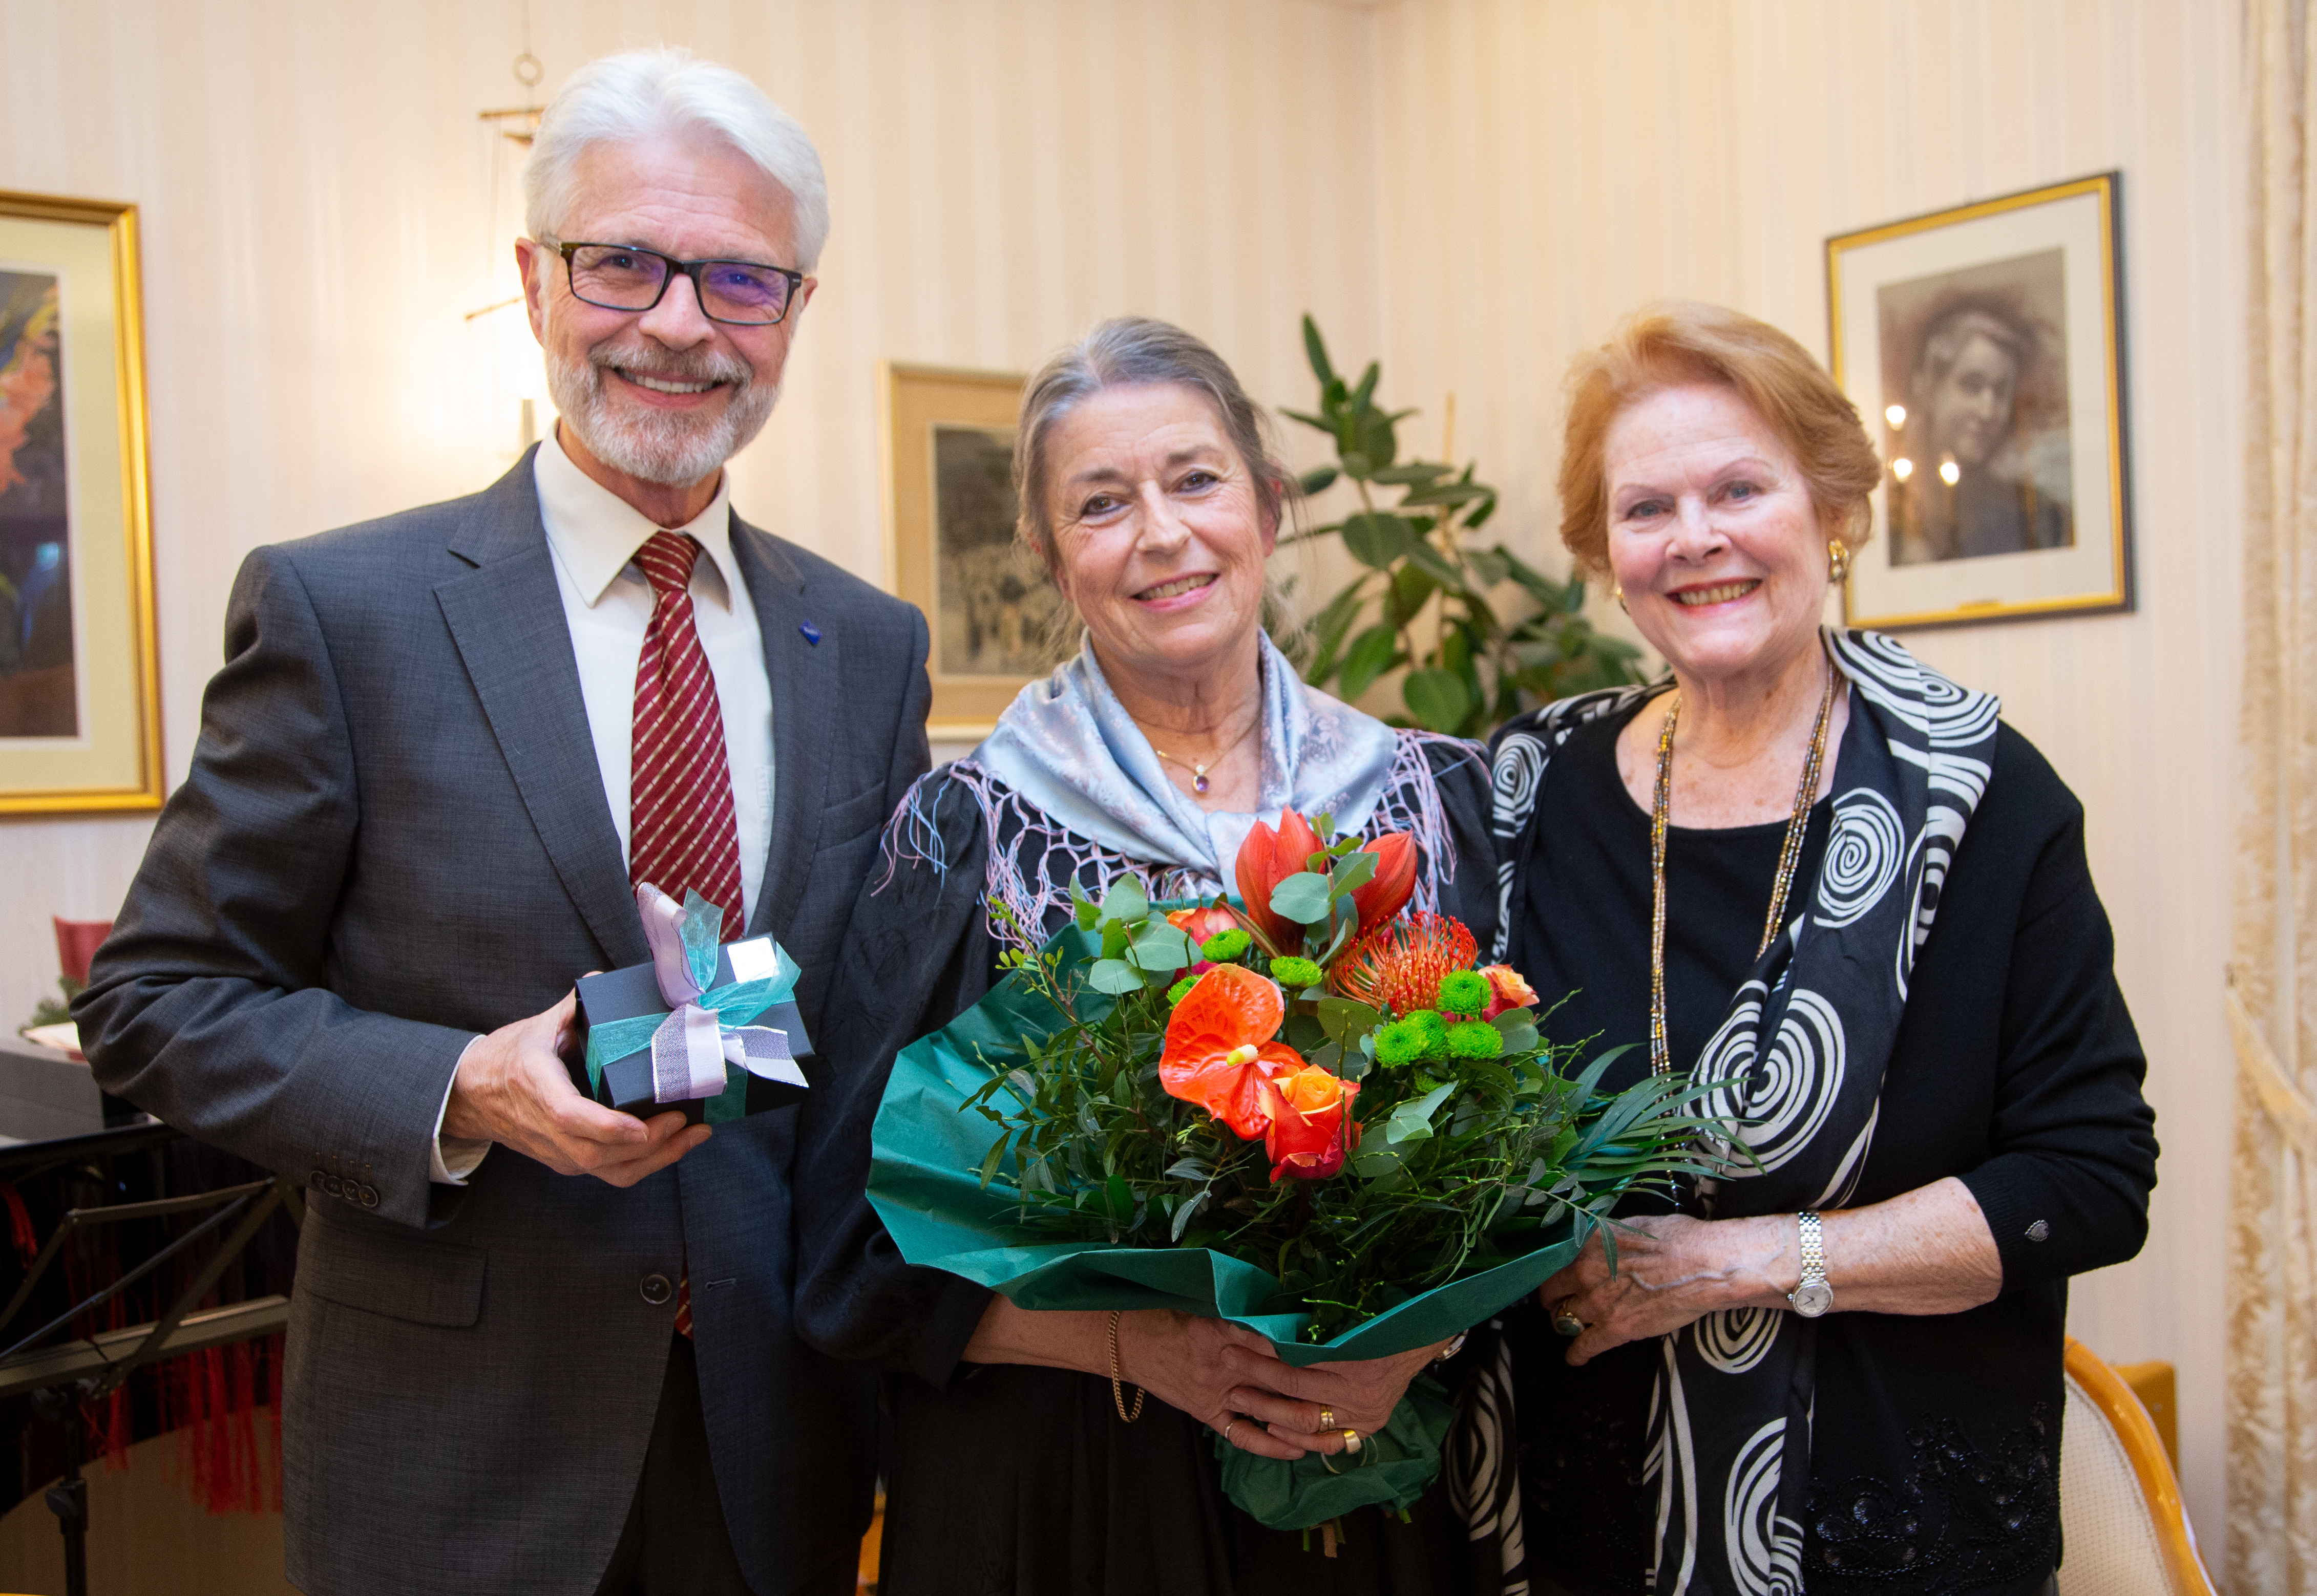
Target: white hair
646,93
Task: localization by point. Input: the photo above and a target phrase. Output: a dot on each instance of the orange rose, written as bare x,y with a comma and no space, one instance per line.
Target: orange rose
1308,1139
1508,989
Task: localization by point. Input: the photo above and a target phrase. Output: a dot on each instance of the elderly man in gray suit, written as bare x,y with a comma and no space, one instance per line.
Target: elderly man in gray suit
529,1349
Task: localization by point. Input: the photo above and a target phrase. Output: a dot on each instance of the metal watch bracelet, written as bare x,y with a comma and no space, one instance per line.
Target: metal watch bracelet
1812,1296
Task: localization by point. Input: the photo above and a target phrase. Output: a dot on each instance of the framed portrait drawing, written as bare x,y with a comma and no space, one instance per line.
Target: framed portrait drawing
998,622
80,724
1984,346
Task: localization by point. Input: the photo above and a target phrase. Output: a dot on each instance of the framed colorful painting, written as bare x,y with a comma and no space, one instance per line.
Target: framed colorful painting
997,620
1984,347
80,726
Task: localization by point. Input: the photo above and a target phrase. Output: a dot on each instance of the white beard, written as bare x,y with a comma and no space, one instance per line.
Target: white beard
656,446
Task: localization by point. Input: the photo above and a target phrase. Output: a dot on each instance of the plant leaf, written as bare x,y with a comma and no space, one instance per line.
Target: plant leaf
1116,976
1373,653
1353,873
1301,897
1315,350
1377,538
1125,901
1438,699
1412,1121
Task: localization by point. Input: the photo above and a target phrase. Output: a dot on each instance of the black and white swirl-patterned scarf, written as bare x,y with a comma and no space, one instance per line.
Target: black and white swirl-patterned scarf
1798,1063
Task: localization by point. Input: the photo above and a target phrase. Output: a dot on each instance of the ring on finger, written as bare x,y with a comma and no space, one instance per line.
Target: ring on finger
1564,1323
1228,1429
1327,1418
1352,1441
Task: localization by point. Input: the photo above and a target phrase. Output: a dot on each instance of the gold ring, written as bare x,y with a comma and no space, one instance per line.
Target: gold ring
1227,1429
1565,1322
1327,1418
1351,1441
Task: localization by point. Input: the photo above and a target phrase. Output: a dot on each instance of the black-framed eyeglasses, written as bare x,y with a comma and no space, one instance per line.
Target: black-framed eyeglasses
621,277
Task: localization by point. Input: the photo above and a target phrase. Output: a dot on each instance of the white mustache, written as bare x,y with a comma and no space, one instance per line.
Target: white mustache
668,366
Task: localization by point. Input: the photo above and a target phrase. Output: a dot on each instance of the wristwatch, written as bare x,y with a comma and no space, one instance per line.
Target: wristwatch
1813,1296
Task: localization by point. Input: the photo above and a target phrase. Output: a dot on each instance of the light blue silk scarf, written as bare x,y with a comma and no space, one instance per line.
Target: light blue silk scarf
1069,747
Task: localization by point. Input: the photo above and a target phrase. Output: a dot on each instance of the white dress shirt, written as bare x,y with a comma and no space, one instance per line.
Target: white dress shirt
594,535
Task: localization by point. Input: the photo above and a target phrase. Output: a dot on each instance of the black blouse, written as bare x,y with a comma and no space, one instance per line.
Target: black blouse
2016,1069
1002,1478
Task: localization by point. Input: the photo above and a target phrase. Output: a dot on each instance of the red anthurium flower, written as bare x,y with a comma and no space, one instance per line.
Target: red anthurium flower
1308,1139
1394,882
1218,1053
1508,989
1267,859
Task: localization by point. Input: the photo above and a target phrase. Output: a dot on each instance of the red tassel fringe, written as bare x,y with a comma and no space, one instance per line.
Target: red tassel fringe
228,1461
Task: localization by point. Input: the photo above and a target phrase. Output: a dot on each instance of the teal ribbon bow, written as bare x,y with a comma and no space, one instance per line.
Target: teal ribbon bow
683,958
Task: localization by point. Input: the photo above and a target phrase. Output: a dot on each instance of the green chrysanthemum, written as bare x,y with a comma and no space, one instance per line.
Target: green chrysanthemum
1225,946
1432,1027
1464,992
1295,974
1398,1043
1475,1039
1181,989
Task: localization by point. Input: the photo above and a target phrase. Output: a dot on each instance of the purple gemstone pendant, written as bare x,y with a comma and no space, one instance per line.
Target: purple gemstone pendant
1198,784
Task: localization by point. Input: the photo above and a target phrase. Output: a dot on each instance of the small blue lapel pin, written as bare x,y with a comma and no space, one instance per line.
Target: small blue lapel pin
811,632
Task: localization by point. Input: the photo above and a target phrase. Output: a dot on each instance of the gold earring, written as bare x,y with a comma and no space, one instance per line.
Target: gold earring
1838,561
1617,591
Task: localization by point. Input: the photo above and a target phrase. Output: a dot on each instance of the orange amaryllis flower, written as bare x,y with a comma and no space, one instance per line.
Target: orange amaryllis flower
1309,1137
1398,965
1218,1053
1508,989
1394,882
1267,859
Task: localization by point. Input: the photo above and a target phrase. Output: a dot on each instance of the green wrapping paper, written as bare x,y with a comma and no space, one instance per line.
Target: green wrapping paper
925,1183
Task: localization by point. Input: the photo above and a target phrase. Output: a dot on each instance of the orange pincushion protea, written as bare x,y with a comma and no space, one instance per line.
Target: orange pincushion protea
1399,964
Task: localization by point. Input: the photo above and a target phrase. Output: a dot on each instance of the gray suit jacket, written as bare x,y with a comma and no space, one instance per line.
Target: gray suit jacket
394,835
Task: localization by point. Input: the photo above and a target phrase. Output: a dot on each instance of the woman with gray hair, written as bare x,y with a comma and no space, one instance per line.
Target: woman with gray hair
1147,490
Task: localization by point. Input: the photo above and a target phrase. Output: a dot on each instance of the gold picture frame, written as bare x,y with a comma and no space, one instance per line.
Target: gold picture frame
80,698
951,548
1984,346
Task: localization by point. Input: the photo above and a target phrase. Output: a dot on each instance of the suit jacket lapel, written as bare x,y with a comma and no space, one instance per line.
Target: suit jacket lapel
506,619
804,677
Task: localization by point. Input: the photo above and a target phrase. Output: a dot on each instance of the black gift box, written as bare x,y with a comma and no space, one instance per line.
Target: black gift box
628,993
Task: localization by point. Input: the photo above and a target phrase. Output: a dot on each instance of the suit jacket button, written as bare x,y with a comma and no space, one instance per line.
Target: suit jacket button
314,1179
656,1289
369,1196
332,1184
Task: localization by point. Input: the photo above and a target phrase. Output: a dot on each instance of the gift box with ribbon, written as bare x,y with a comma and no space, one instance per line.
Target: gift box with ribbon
709,1030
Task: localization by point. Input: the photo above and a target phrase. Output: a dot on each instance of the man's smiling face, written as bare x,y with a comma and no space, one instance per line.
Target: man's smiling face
664,396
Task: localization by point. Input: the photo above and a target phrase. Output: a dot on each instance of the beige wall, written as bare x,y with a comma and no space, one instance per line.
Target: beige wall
1469,188
1584,157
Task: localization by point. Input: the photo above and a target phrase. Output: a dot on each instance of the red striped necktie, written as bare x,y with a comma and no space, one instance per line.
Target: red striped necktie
681,831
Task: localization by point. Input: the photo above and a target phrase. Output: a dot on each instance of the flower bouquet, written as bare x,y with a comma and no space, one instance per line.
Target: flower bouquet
1306,1112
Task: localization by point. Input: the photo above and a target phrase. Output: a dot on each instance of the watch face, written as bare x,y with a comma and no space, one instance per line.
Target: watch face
1812,1298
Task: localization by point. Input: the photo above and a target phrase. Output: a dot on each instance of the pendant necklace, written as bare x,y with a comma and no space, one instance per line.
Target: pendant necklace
1199,770
1789,857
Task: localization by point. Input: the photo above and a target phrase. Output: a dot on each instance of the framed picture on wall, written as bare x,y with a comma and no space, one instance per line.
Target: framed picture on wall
80,726
996,617
1984,347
